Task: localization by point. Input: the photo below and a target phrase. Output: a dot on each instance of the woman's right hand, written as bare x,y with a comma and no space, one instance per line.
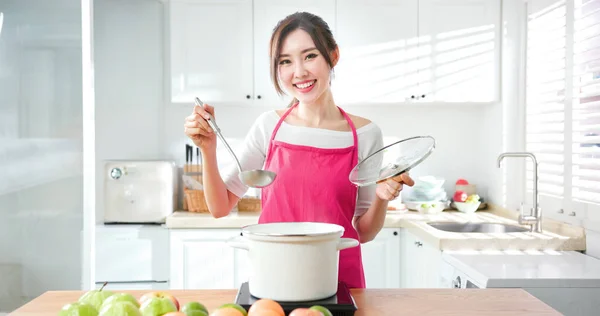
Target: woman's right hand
198,130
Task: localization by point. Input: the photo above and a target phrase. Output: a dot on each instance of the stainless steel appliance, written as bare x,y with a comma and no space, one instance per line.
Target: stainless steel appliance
139,191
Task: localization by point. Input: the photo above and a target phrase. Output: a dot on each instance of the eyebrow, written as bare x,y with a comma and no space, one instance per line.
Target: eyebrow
303,51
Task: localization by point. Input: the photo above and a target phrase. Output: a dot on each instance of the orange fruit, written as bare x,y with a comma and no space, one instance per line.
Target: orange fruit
227,311
261,306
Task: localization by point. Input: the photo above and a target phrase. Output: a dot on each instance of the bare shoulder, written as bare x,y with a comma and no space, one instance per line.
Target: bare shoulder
358,120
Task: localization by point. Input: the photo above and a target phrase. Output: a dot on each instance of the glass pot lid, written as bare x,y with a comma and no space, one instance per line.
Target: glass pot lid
392,160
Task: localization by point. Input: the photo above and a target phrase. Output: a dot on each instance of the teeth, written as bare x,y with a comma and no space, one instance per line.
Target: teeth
305,85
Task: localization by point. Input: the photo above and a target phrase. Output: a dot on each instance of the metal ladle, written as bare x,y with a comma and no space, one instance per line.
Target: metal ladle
253,178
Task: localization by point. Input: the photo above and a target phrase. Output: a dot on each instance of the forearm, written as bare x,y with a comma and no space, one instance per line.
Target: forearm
369,224
215,192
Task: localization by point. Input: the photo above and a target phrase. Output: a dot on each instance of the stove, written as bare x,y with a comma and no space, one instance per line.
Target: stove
340,304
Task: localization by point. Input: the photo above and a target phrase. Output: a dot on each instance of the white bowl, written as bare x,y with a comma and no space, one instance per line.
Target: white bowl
434,207
467,207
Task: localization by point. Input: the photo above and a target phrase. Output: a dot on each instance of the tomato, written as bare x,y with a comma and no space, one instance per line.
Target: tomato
261,306
305,312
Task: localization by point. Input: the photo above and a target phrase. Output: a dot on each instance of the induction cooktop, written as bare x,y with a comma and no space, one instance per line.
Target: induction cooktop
340,304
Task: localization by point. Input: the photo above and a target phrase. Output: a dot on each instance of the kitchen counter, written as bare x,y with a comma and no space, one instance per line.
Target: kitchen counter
555,236
370,302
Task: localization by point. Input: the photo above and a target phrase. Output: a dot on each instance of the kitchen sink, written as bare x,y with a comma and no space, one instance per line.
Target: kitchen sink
477,227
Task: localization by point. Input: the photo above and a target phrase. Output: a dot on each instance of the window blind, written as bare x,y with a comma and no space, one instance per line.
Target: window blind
563,101
545,94
586,102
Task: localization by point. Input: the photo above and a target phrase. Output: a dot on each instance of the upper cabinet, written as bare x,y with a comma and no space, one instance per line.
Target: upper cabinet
391,51
220,48
460,42
211,51
378,51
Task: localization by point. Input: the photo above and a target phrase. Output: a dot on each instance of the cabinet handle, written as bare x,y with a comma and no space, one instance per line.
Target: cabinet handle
241,234
418,243
456,283
422,96
561,211
412,96
572,214
247,96
258,96
395,233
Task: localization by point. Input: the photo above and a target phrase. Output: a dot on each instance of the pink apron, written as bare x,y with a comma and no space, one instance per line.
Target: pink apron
312,186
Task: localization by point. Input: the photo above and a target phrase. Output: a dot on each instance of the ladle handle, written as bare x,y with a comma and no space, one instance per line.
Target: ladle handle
213,124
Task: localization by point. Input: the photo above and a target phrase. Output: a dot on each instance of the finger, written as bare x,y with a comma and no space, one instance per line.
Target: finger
392,190
191,124
191,131
204,125
393,184
209,109
200,111
407,179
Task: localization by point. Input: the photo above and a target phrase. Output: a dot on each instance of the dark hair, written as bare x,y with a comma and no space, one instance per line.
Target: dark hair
318,30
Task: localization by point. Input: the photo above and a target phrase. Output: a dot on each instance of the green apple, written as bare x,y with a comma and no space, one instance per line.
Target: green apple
195,312
78,309
120,308
236,306
191,309
321,309
96,297
121,297
157,306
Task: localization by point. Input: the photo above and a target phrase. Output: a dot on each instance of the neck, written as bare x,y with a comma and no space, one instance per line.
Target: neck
314,114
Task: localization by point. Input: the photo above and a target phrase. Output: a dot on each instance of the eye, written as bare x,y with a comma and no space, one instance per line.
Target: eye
284,61
311,56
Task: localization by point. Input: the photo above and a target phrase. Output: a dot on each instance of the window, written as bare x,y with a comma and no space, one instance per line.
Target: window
563,104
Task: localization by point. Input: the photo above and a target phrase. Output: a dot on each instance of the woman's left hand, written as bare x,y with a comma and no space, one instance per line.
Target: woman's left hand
390,189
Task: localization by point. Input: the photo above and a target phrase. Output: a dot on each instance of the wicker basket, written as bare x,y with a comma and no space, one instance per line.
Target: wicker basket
249,204
195,201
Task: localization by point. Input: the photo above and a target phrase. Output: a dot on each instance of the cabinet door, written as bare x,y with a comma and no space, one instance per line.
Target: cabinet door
201,259
420,263
381,259
378,51
211,51
462,42
267,13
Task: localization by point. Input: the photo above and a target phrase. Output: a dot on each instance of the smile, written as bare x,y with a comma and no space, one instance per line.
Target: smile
305,85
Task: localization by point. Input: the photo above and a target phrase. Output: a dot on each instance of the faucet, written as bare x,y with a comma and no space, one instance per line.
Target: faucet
535,219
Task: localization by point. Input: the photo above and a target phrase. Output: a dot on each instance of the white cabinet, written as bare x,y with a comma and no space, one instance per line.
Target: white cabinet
378,51
460,42
417,50
390,51
219,49
210,51
381,259
420,263
201,259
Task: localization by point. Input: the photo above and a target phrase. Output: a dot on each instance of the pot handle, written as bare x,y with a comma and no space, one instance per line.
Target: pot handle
237,242
347,243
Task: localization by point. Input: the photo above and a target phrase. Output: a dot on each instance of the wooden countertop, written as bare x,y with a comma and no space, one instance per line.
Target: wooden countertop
371,302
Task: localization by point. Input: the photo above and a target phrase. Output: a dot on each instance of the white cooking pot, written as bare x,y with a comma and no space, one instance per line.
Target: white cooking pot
296,261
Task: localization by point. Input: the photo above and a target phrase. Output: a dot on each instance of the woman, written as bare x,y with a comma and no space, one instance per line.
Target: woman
312,146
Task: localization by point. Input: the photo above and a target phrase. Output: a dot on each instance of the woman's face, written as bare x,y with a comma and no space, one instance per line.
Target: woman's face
303,71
